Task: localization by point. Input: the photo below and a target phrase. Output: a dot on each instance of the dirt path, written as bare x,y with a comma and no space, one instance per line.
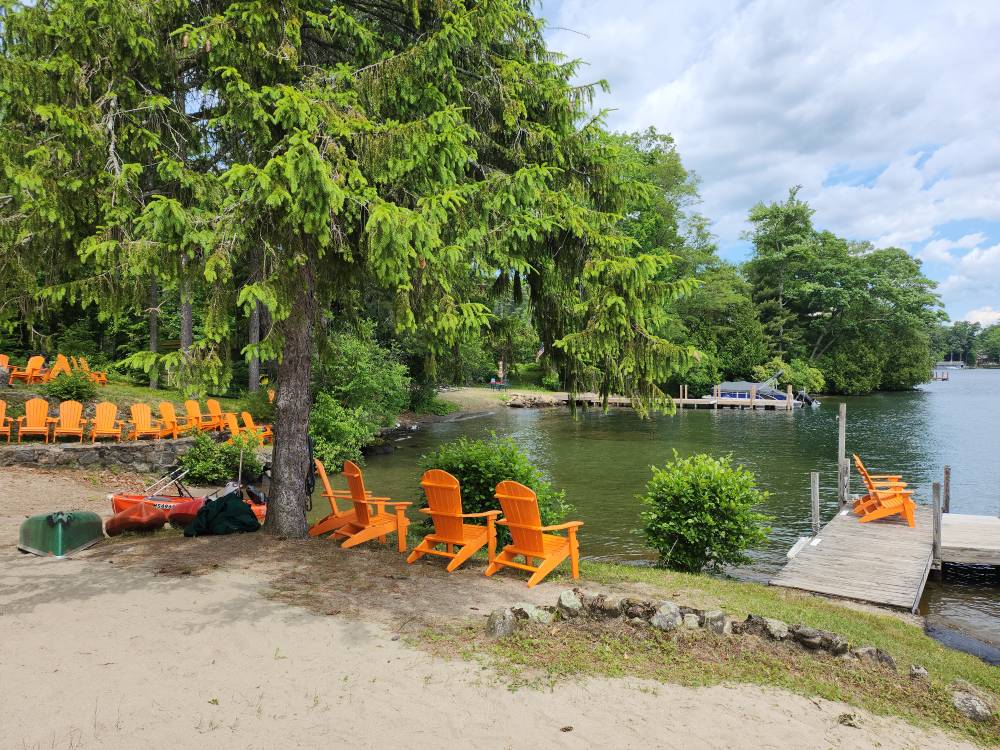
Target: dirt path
186,643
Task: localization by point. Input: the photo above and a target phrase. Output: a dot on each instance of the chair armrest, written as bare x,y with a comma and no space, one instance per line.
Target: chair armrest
557,527
485,514
441,514
385,501
885,476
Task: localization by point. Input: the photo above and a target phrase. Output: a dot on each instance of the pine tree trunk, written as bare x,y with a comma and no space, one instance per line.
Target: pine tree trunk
253,338
154,330
286,513
187,316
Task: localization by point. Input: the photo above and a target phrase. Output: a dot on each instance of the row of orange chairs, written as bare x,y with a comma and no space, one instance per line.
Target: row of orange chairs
453,538
105,424
36,372
887,496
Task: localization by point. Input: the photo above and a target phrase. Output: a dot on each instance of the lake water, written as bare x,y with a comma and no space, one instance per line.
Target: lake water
602,461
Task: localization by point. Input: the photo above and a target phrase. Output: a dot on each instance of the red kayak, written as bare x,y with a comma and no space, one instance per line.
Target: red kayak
168,503
184,513
139,517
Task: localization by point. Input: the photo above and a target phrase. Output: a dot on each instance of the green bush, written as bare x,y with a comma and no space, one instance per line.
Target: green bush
339,434
259,405
70,386
438,406
209,462
798,373
550,382
480,465
701,513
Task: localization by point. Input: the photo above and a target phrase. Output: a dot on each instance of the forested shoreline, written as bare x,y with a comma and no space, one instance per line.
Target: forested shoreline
356,202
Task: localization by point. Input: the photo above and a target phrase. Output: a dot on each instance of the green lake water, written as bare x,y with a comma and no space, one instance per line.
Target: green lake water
602,461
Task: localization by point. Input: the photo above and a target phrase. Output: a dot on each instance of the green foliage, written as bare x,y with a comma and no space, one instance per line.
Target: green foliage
550,382
480,465
853,370
361,374
438,407
339,433
211,462
798,373
258,404
700,513
989,343
70,386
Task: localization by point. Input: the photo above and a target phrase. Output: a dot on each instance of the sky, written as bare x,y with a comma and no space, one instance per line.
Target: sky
886,113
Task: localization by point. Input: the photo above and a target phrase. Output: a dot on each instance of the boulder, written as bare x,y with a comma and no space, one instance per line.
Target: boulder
526,611
717,622
765,627
501,622
971,706
872,655
814,639
569,604
692,621
606,606
918,672
667,616
638,608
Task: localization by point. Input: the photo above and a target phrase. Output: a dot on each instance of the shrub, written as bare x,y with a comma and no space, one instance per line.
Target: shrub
480,465
259,405
798,373
550,382
209,462
438,406
339,434
701,513
70,386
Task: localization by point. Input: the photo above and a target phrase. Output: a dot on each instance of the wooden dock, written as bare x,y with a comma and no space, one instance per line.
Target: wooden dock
886,562
713,402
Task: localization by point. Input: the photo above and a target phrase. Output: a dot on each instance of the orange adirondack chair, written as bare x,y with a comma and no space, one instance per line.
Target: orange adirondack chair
444,506
143,424
886,496
215,413
4,361
30,373
98,376
230,423
5,421
70,422
270,395
35,420
367,525
263,432
338,517
61,366
205,422
105,422
521,516
172,426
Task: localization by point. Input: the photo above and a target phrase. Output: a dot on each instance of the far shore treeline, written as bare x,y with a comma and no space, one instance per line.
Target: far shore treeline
360,201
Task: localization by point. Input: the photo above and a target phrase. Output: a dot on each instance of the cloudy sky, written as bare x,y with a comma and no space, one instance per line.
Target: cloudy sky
886,113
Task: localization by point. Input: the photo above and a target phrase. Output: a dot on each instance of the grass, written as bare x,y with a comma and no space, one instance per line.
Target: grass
538,656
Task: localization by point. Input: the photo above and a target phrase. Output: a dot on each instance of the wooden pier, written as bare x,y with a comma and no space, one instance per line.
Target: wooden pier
886,562
683,401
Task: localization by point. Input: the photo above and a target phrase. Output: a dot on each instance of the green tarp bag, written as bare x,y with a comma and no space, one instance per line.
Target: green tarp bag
225,515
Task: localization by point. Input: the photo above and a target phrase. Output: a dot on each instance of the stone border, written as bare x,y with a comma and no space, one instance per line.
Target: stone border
142,456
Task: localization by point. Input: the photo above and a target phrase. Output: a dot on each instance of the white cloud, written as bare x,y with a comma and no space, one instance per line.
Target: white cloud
985,316
885,115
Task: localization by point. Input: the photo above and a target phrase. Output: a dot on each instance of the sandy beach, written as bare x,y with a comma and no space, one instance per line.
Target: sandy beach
121,648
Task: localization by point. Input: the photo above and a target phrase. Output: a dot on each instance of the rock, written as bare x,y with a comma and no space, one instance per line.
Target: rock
834,643
501,622
872,655
638,622
667,616
971,706
692,621
717,622
918,672
526,611
608,606
638,608
569,604
807,637
765,627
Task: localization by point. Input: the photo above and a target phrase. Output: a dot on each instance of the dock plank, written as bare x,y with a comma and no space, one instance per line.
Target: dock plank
971,540
884,563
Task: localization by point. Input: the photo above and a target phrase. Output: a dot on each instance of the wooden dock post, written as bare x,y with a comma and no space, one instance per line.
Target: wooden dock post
789,400
814,487
936,546
753,395
843,468
946,501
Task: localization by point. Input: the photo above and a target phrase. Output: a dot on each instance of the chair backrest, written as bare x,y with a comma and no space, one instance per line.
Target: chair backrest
248,421
167,413
3,411
61,366
105,414
35,364
142,417
213,408
444,496
229,419
75,363
356,484
84,364
865,476
70,413
327,489
193,409
4,361
520,510
36,411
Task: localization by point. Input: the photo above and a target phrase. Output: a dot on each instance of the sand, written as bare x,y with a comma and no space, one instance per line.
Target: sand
99,654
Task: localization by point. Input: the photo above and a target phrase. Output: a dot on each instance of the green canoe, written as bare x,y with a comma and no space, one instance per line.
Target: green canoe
60,534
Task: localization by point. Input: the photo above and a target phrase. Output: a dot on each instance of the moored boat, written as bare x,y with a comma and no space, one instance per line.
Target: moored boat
60,534
167,503
138,517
